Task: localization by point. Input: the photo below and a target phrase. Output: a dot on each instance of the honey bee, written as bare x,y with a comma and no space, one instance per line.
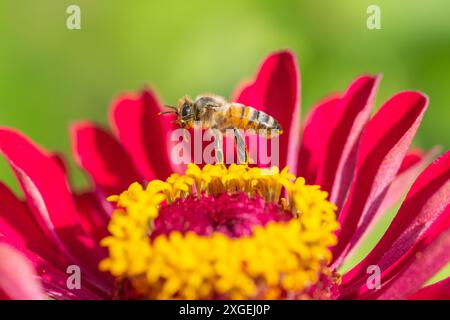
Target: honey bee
214,112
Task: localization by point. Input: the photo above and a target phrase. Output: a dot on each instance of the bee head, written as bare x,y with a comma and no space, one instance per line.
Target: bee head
185,112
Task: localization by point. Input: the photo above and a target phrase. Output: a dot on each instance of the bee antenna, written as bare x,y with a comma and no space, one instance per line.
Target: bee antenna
174,110
165,112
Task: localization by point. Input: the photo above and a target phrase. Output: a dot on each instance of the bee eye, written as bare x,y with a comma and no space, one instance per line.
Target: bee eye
186,110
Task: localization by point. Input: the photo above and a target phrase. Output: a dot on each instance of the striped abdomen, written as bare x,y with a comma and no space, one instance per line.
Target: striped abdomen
243,117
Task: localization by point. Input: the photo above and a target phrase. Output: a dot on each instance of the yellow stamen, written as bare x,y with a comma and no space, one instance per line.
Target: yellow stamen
279,258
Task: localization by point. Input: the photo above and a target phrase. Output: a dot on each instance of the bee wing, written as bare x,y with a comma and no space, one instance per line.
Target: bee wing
241,147
218,145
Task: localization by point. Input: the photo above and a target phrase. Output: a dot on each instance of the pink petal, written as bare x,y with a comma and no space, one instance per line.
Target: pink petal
428,256
92,216
383,146
101,155
14,216
437,291
413,157
49,199
350,118
144,134
316,134
17,276
413,164
54,280
60,160
416,236
275,91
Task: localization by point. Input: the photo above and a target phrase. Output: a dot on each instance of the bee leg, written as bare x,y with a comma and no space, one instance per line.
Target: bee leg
241,148
186,136
218,146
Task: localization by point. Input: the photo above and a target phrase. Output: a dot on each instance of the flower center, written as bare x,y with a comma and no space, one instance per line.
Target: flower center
234,215
221,232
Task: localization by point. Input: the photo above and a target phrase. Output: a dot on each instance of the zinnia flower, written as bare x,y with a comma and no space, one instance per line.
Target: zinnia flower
215,231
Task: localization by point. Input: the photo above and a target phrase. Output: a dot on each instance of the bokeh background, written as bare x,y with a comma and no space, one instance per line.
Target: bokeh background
51,76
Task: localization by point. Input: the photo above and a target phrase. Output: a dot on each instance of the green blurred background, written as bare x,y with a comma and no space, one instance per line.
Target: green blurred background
51,76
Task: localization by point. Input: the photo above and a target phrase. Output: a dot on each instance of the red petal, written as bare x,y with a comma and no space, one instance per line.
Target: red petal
101,155
437,291
60,160
413,164
408,275
91,215
353,111
14,216
420,227
53,279
143,133
383,146
47,195
315,137
412,158
17,276
275,91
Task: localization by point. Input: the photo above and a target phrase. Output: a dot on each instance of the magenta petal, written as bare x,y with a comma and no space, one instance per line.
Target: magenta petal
352,113
438,291
425,260
316,134
413,164
101,155
413,157
49,199
54,280
416,236
383,146
55,283
91,215
17,224
144,134
275,91
18,279
60,160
